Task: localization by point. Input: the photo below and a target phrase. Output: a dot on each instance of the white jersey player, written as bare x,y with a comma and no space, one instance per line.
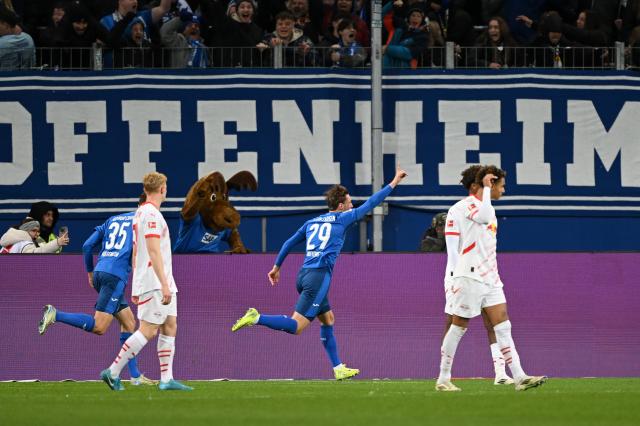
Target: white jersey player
476,282
453,229
153,289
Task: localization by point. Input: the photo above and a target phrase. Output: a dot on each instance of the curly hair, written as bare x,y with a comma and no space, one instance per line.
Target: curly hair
335,195
494,170
469,176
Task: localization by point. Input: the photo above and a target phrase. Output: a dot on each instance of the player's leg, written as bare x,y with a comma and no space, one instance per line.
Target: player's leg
105,306
150,304
497,314
501,377
127,328
327,319
465,304
167,349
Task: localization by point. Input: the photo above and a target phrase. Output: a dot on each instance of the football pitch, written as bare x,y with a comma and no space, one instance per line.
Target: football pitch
357,402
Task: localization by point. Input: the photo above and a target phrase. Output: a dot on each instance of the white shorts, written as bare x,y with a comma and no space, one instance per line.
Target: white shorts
151,309
468,297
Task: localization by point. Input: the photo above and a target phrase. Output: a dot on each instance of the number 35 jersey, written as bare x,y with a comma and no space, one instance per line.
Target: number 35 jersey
117,245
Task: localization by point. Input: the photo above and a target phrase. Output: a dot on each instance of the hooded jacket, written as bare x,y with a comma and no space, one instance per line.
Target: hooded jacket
38,211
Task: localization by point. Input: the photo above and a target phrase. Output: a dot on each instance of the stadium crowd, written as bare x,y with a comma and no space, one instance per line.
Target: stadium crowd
234,33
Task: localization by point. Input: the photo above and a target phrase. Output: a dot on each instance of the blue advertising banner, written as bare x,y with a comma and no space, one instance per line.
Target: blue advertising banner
568,141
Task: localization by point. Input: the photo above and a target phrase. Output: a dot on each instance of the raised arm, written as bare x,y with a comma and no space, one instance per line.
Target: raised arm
195,197
379,196
485,212
160,10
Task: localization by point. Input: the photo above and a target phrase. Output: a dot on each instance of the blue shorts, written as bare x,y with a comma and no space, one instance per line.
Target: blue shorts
110,290
313,287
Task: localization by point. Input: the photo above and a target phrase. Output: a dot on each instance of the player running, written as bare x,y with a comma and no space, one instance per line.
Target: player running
324,237
153,289
108,278
477,285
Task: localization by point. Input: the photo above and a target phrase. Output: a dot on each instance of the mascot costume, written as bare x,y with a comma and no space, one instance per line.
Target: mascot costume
208,221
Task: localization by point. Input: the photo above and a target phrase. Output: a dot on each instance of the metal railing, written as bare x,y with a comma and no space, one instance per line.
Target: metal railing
616,57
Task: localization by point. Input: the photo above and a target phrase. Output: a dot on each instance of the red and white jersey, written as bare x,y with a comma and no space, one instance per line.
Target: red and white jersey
478,240
149,223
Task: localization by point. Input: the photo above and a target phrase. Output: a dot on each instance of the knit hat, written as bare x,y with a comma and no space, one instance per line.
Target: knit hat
253,3
29,225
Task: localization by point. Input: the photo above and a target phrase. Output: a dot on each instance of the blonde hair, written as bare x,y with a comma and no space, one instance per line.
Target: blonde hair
152,182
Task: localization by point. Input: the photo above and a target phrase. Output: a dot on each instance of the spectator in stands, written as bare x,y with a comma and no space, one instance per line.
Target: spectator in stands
47,37
237,33
633,51
347,53
135,51
47,215
78,33
17,51
182,36
24,238
495,48
148,20
310,25
409,39
298,48
552,49
347,7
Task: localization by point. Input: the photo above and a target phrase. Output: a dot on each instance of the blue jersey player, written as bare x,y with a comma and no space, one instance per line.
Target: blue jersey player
108,278
324,236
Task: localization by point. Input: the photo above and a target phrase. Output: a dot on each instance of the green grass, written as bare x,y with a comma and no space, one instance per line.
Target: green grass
303,403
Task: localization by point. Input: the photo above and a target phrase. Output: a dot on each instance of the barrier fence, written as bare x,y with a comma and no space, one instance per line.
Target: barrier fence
449,56
573,315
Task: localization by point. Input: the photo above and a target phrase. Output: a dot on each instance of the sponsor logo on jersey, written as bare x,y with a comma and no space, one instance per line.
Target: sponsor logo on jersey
151,225
493,227
450,224
208,238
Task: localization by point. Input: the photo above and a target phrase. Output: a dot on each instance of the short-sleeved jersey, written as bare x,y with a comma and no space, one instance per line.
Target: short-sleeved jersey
324,235
194,237
149,223
116,239
478,242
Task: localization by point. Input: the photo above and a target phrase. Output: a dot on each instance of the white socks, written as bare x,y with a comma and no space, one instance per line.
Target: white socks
130,348
166,352
448,351
508,349
498,360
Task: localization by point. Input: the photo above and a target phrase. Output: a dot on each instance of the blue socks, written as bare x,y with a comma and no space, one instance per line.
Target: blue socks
329,343
83,321
279,322
133,362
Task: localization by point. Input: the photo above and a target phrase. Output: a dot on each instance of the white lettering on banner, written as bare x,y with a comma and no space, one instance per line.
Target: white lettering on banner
533,114
214,114
141,143
316,146
455,115
589,136
401,143
21,165
65,170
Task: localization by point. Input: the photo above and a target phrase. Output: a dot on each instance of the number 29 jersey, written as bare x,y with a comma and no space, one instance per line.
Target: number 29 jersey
324,237
117,245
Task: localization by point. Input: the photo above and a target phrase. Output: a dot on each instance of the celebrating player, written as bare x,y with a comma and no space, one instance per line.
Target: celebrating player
477,285
324,237
455,217
153,288
108,278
